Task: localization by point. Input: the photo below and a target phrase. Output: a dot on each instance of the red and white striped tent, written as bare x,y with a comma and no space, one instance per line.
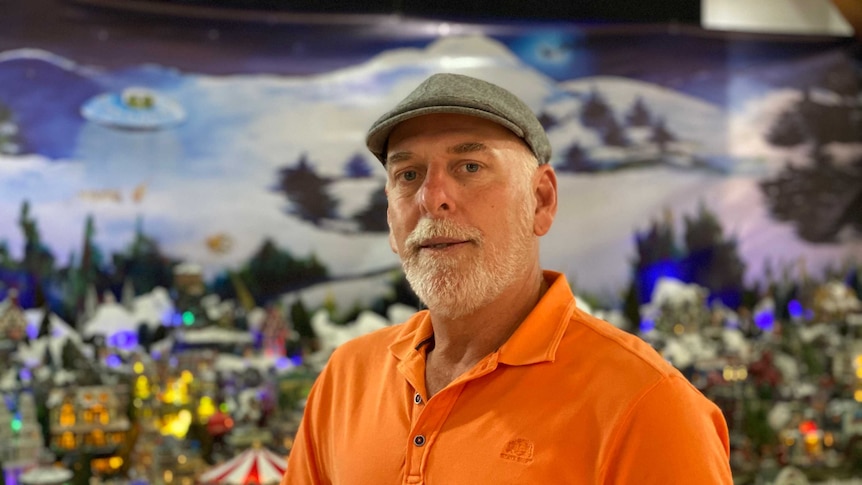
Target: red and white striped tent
255,466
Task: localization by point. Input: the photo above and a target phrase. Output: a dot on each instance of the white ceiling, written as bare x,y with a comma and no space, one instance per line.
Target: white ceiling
813,17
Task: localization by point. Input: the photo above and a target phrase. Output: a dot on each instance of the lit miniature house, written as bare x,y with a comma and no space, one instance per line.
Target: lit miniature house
91,420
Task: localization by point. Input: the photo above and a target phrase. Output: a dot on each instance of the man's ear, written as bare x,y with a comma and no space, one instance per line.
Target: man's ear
546,199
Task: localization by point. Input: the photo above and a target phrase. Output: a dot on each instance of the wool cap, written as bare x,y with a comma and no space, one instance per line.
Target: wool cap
459,94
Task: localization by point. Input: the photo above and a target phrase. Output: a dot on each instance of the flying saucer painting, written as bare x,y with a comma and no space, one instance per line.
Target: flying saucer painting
134,108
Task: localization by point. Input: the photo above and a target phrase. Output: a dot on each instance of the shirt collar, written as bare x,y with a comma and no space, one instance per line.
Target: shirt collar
535,340
539,335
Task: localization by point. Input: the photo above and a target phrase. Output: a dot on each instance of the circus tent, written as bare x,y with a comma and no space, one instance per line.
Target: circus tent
255,466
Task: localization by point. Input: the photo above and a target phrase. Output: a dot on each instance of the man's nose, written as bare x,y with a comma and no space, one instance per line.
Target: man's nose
435,194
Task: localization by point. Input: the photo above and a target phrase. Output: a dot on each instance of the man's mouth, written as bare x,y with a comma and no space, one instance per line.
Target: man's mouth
440,243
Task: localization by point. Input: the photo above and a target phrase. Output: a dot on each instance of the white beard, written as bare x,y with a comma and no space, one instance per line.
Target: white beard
457,286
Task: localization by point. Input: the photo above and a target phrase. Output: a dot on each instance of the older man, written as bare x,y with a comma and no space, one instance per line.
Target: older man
502,379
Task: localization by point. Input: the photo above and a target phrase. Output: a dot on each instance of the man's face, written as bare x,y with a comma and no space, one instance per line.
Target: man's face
461,209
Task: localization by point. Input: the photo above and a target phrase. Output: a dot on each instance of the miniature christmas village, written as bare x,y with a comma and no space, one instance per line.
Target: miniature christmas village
142,371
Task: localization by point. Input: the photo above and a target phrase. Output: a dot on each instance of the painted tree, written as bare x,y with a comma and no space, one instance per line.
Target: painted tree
638,115
596,113
373,217
613,133
575,159
547,120
788,130
307,192
818,200
357,167
661,135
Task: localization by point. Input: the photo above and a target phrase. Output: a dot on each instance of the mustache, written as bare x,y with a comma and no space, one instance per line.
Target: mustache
430,228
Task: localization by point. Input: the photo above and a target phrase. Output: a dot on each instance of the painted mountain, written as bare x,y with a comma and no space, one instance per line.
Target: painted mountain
254,157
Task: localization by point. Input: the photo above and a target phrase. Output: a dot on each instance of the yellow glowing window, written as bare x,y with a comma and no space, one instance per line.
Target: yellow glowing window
67,441
97,437
99,465
67,415
88,416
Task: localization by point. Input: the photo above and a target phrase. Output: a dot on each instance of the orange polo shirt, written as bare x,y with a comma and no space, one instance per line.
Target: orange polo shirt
567,399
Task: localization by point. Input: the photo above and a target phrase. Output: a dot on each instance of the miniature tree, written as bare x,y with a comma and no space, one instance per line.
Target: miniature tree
45,324
713,261
38,262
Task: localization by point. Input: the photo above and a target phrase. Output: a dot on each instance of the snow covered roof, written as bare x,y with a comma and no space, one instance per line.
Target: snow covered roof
213,335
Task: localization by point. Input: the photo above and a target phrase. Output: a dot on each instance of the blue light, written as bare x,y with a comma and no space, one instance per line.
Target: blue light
764,320
33,331
25,375
114,360
660,269
647,324
794,308
283,363
297,360
125,340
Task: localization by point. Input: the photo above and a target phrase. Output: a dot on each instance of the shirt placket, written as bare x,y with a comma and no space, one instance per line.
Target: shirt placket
428,417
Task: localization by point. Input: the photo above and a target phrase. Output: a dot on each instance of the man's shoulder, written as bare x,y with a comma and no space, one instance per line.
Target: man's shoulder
597,336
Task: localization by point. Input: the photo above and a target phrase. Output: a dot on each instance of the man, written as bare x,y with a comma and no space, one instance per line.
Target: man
502,379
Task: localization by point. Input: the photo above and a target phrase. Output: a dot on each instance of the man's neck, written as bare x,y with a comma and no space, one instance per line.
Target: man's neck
462,342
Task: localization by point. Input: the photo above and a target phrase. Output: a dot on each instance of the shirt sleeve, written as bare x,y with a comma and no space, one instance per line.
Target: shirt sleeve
303,463
671,435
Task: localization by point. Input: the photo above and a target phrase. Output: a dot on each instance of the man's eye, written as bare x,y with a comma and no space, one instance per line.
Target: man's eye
409,175
471,167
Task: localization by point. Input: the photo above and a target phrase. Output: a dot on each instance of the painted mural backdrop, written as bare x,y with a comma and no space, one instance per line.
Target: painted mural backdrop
758,140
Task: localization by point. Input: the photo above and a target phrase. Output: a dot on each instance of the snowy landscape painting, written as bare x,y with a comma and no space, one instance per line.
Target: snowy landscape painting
212,166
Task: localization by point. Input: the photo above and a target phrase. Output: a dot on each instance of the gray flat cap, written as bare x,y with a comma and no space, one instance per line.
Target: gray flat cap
459,94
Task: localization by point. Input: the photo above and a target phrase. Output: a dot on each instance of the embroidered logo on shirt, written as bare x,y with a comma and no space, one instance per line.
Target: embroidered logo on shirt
519,450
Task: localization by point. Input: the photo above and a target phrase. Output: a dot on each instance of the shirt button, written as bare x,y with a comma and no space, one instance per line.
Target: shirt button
418,440
417,398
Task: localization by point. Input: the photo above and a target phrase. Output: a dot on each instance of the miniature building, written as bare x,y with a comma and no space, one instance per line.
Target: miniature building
91,420
188,279
20,434
13,324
